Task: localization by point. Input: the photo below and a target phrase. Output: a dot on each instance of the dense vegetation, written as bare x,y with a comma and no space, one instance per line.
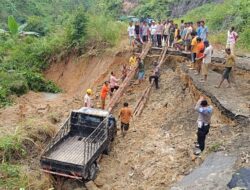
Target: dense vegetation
63,26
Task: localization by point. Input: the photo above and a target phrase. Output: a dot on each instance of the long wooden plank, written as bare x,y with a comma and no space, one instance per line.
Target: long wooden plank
143,99
115,99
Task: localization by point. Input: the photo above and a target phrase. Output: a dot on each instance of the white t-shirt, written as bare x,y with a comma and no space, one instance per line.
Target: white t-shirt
87,100
231,37
153,29
208,52
131,31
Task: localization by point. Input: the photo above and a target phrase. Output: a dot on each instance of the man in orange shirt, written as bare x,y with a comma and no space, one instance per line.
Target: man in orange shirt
125,115
104,92
200,53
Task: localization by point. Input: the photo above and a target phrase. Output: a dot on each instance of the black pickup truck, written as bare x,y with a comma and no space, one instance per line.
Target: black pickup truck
73,152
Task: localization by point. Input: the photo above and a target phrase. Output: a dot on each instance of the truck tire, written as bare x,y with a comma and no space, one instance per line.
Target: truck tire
107,150
93,169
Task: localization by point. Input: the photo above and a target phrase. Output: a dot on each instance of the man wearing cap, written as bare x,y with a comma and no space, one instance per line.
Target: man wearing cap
204,119
87,99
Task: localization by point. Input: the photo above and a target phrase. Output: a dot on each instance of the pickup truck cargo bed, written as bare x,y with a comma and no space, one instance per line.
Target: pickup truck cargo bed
78,144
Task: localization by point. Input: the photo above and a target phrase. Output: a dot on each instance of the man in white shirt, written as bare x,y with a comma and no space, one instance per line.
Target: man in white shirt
131,33
207,59
232,37
152,30
87,99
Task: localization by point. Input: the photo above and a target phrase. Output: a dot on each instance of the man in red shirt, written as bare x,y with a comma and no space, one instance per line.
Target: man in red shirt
104,92
200,53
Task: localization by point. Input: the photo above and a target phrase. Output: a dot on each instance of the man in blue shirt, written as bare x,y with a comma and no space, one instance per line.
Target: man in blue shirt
198,29
204,119
204,31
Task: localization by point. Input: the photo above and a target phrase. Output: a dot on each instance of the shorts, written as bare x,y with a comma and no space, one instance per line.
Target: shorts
204,68
131,39
193,57
226,73
198,63
124,126
114,88
141,75
187,42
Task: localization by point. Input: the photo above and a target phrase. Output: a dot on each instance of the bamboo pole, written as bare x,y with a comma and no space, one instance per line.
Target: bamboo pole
118,94
143,99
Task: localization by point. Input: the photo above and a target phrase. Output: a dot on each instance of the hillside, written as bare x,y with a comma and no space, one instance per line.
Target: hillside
62,28
78,44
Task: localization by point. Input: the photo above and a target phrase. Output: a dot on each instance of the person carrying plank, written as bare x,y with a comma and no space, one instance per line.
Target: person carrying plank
125,116
104,92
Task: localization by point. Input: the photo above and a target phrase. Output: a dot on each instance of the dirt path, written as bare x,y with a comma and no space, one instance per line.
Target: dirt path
155,156
159,152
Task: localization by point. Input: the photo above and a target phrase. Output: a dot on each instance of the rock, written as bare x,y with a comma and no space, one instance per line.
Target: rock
99,181
106,187
91,186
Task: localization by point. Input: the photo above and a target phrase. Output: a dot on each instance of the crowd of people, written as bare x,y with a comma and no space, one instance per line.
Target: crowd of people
186,37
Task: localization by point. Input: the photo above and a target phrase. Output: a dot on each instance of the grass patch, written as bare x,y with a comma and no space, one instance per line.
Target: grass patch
27,139
11,177
215,147
103,29
21,177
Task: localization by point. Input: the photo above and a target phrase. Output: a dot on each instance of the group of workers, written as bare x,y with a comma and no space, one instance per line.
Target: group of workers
188,37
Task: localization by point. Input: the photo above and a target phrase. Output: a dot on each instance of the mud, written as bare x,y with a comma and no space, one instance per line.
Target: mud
159,153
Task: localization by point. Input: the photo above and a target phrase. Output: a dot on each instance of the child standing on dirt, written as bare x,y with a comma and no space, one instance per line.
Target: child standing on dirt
230,62
204,120
125,115
104,92
87,99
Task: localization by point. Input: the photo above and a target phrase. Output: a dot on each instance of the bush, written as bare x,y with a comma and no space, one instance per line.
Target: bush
19,87
37,82
12,177
77,29
104,29
11,148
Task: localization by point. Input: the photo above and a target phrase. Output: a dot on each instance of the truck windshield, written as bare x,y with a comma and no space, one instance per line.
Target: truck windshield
89,119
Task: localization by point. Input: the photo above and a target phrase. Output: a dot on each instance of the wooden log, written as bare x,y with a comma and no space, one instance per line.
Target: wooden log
143,99
118,94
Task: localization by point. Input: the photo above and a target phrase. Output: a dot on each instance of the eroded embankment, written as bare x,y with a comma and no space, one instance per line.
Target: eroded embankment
28,125
159,153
